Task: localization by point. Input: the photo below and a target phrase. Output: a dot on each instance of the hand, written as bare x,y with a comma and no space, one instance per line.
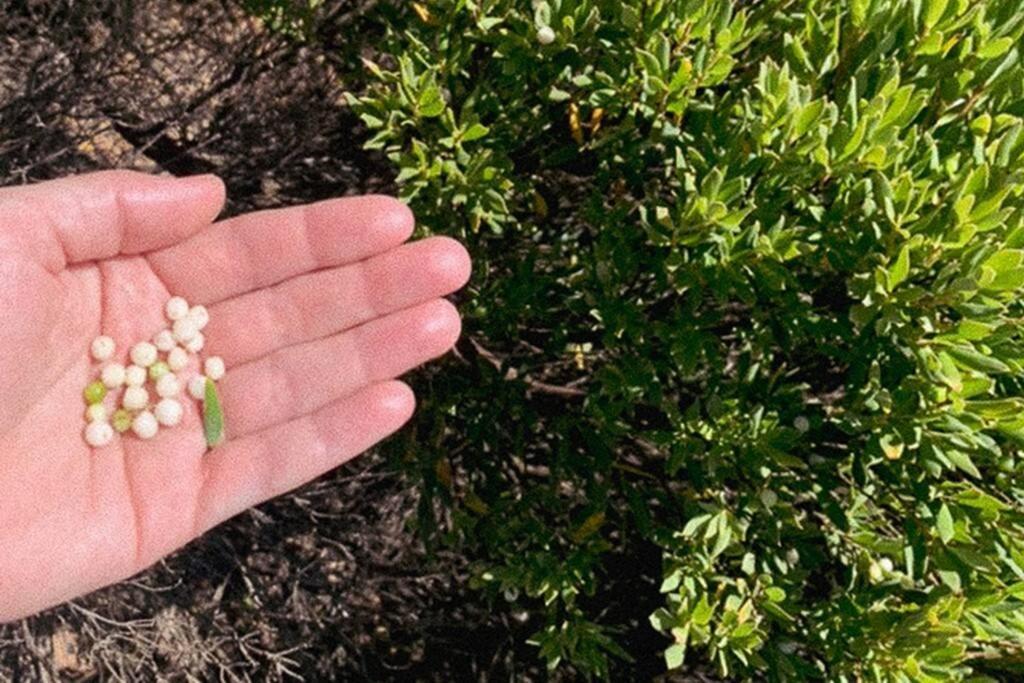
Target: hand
315,310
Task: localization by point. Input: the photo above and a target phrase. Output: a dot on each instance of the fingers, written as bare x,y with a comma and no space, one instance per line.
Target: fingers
326,302
99,215
303,378
263,248
247,471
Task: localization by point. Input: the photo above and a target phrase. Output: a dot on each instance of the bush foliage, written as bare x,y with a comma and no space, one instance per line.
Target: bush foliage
747,281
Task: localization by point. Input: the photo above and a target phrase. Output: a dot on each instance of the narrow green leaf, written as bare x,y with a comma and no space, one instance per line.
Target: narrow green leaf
944,524
933,11
974,360
213,416
900,269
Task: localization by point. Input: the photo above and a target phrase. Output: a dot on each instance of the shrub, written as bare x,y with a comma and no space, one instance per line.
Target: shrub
747,280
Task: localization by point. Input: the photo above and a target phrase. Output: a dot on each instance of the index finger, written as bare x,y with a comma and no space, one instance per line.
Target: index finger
264,248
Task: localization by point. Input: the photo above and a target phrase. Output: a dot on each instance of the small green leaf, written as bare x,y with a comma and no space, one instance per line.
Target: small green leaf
970,358
944,524
475,132
431,103
674,656
213,416
702,611
934,9
994,48
900,269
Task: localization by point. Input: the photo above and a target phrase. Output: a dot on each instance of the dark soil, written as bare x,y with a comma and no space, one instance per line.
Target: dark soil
330,583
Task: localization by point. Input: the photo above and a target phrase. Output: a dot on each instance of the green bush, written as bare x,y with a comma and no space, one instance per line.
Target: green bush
747,280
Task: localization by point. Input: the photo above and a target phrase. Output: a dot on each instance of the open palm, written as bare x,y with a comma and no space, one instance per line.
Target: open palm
314,309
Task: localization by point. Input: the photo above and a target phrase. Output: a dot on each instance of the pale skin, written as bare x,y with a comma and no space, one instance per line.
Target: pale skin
316,311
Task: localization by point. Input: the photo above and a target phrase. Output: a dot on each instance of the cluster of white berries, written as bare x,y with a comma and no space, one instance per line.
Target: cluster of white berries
160,364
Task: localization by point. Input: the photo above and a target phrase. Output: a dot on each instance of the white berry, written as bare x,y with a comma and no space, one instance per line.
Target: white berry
185,329
196,343
214,367
200,316
98,434
134,376
113,375
177,359
135,398
168,412
197,388
168,386
176,308
144,354
545,35
96,413
145,425
102,348
163,341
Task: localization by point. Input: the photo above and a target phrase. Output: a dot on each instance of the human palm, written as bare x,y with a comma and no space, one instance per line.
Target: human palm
314,309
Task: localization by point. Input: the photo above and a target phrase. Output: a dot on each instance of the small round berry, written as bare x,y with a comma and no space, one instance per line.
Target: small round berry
168,386
802,424
168,412
145,425
113,375
158,370
95,392
185,329
886,565
102,348
134,376
98,434
176,308
200,315
196,343
96,413
122,420
144,354
545,35
214,367
163,341
135,398
177,359
197,387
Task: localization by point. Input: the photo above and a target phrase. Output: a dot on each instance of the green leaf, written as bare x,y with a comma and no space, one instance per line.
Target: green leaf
674,655
475,132
964,462
970,358
900,269
213,416
933,11
944,524
558,95
702,611
775,594
994,48
430,104
807,116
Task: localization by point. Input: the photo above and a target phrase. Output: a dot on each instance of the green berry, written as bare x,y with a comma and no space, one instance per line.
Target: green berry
95,392
122,421
158,370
